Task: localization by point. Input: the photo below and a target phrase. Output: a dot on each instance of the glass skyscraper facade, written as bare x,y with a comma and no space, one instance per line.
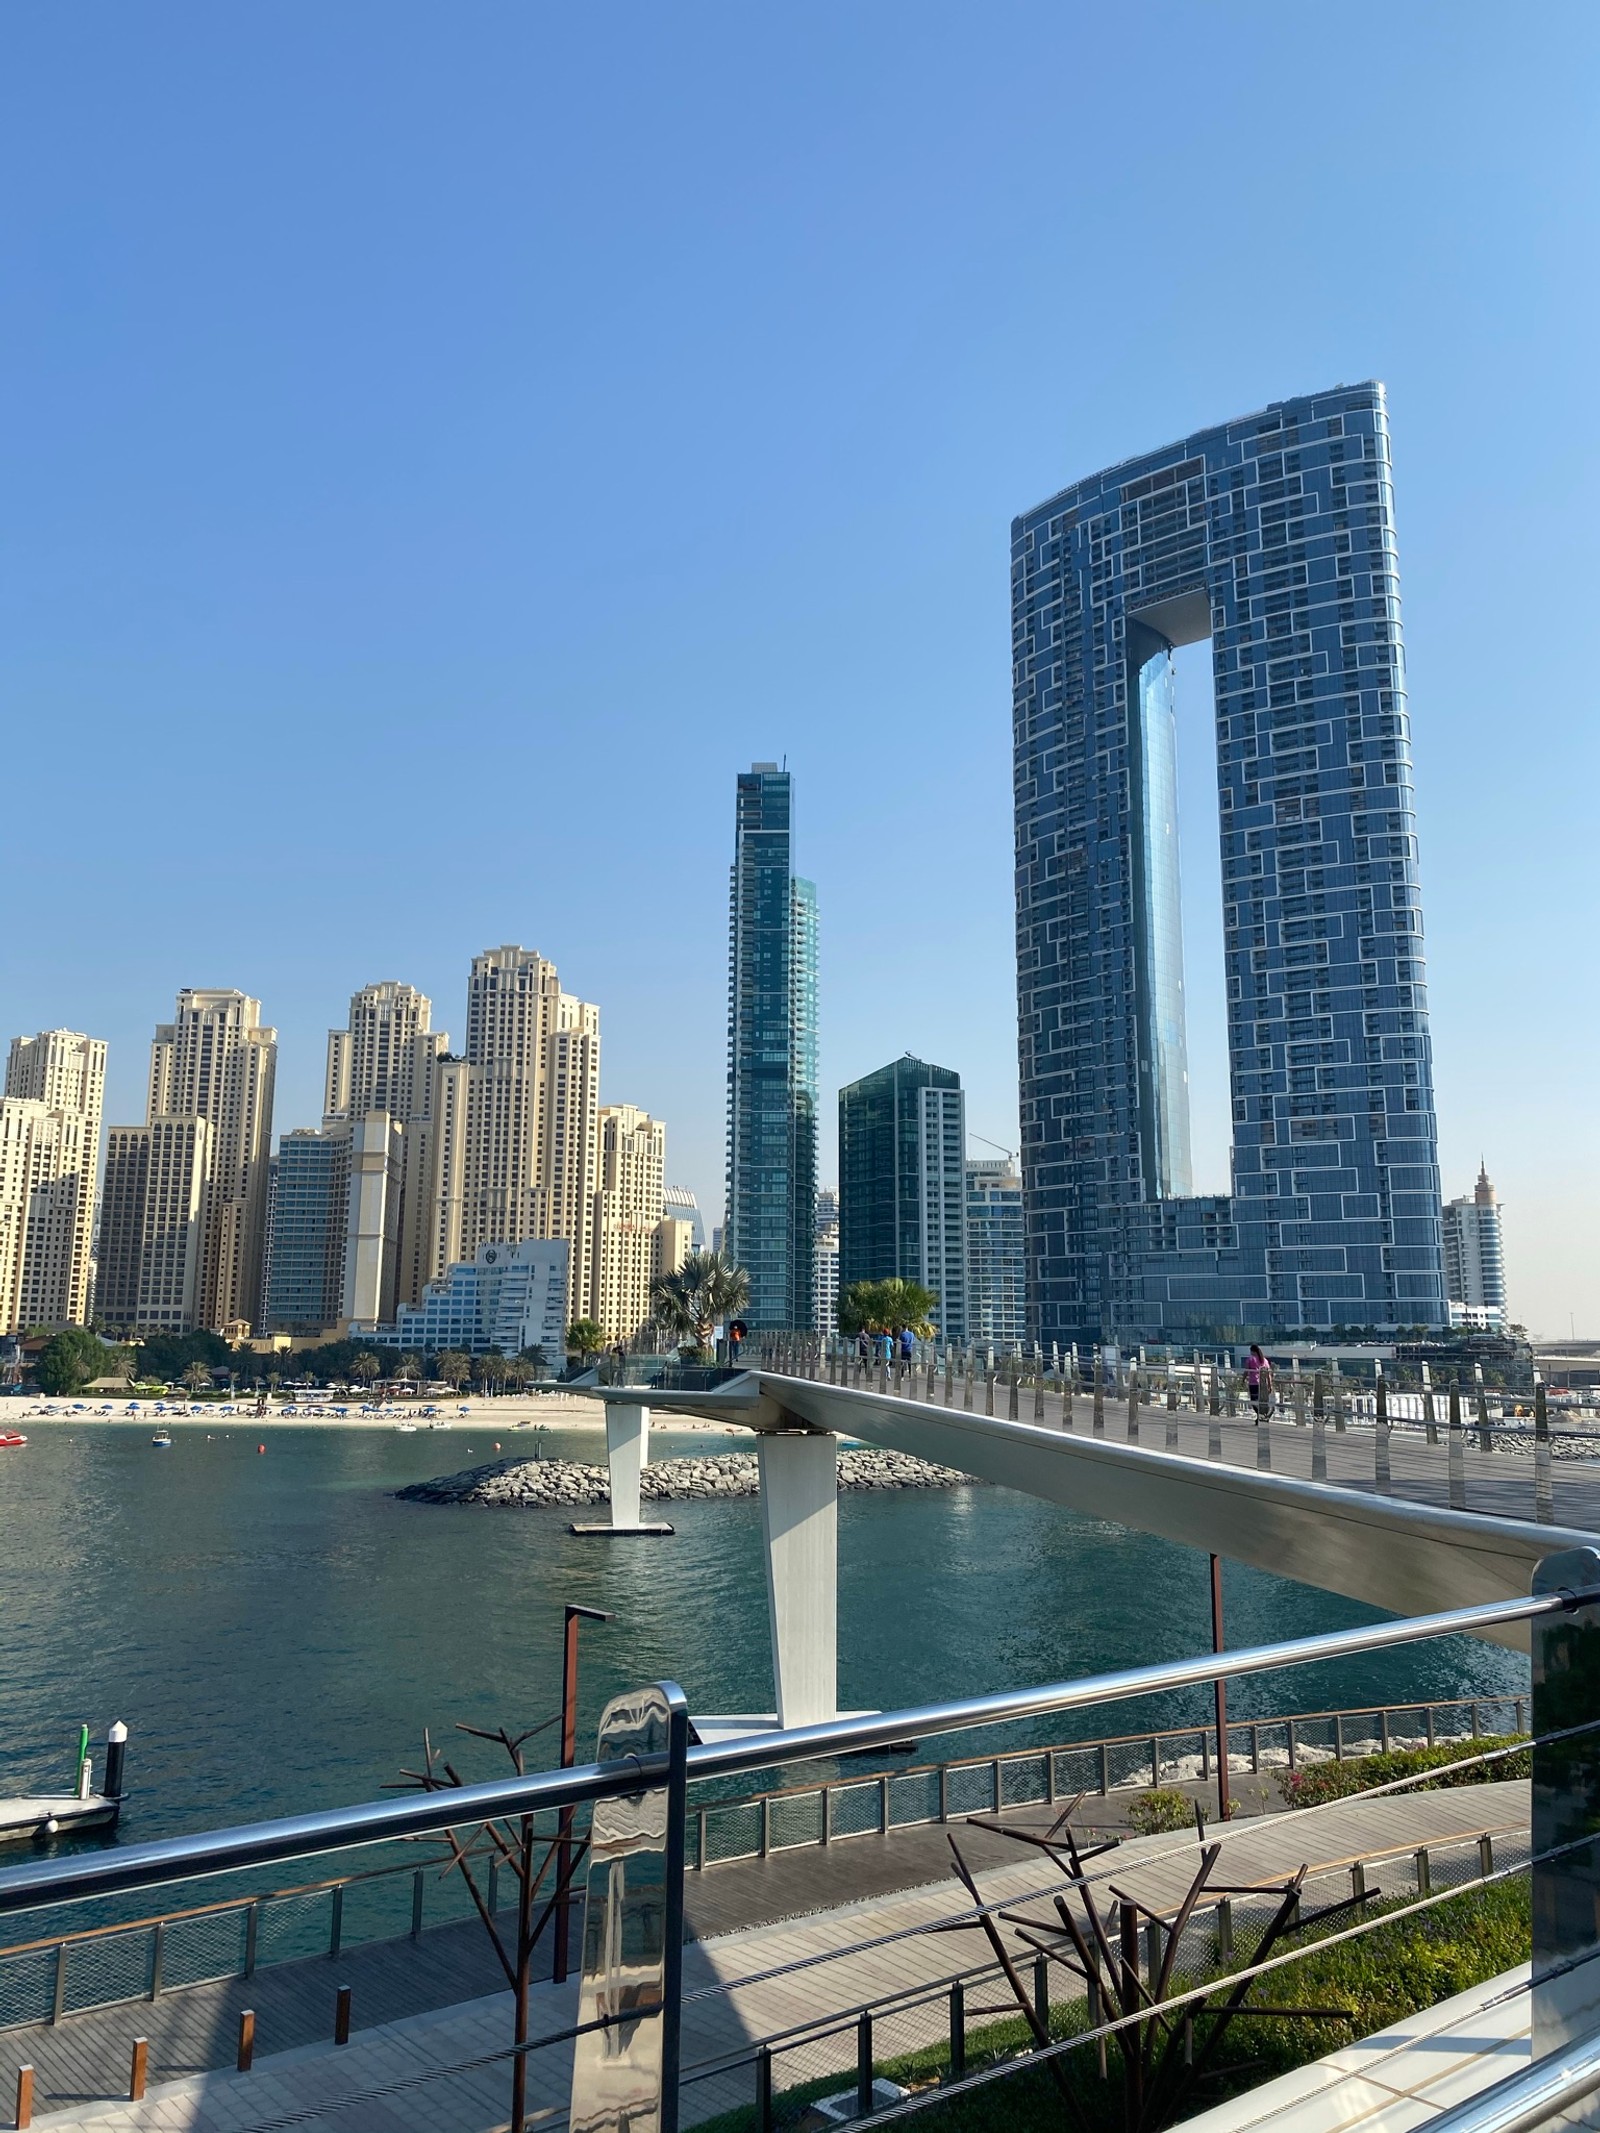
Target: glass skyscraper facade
902,1184
1273,537
772,1056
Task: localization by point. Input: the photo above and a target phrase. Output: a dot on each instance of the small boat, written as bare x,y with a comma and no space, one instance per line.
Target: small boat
11,1438
162,1440
406,1429
46,1815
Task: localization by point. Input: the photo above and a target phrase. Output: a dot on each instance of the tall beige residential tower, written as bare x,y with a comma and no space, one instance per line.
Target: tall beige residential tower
627,1218
49,1150
214,1064
513,1126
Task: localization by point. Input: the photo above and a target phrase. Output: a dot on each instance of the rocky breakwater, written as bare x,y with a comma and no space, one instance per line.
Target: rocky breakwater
538,1484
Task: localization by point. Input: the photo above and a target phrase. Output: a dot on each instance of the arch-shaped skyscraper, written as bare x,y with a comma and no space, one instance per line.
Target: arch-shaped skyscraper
1273,537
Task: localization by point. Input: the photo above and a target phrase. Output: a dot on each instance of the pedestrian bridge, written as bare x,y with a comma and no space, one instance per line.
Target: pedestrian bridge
1352,1512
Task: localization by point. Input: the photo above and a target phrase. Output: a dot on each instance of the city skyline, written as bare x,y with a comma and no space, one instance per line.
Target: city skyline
320,455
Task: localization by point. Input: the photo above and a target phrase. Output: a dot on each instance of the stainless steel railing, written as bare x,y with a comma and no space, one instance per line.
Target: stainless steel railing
335,1829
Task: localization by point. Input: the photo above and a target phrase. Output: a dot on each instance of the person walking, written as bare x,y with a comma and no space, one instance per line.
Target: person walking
1258,1380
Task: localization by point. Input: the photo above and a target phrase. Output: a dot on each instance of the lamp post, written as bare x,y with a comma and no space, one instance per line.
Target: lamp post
569,1755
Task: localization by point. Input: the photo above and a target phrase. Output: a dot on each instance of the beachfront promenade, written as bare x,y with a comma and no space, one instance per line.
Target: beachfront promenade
429,2042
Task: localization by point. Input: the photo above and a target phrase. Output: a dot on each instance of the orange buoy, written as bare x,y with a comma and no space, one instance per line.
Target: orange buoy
260,1447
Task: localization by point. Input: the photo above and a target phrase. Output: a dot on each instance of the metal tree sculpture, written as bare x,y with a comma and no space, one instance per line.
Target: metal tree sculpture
1164,2055
514,1844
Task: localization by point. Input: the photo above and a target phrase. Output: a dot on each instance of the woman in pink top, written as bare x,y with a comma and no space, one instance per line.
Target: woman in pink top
1258,1377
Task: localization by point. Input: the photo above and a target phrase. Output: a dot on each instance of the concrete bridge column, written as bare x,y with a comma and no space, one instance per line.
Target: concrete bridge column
800,1525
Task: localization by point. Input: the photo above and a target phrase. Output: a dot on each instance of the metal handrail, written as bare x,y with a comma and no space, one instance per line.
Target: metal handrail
335,1829
837,1736
1530,2098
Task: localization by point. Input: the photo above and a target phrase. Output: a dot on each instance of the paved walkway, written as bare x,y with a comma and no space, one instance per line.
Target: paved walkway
445,2068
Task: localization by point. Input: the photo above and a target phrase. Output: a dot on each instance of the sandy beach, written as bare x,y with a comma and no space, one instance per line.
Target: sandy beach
564,1411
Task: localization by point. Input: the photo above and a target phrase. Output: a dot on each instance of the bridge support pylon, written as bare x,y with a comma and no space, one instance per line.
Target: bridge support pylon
800,1527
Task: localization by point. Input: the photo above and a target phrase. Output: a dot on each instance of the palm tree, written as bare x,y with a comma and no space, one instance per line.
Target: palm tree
518,1373
537,1359
893,1306
688,1302
586,1337
454,1367
409,1366
492,1371
365,1367
197,1377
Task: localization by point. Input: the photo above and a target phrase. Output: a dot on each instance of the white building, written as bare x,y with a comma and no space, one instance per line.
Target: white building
827,1271
996,1314
507,1297
49,1152
1474,1259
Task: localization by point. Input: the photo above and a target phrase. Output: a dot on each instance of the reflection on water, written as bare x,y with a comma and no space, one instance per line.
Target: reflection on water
277,1630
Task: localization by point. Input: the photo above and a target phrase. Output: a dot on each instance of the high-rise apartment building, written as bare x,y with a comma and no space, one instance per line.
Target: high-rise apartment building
772,1055
996,1264
826,1285
49,1151
513,1136
902,1184
506,1298
627,1217
212,1065
310,1203
153,1226
1474,1257
678,1204
1273,537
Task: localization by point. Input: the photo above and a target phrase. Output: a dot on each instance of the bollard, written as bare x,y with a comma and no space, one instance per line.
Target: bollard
139,2067
247,2039
24,2098
1458,1454
341,2016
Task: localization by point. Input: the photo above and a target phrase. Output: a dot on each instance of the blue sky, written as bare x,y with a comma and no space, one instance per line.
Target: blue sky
441,446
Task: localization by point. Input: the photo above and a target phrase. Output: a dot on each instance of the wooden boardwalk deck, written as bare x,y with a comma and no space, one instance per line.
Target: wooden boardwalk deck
434,2003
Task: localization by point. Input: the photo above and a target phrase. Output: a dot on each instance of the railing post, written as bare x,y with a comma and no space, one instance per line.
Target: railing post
158,1952
1014,1403
1133,1403
1486,1855
1264,1446
1380,1439
1424,1871
1566,1807
944,1792
336,1920
1099,1394
827,1815
764,2118
864,2097
1458,1454
252,1936
1543,1496
1319,1440
883,1802
765,1811
988,1390
1105,1770
418,1884
958,2031
1214,1439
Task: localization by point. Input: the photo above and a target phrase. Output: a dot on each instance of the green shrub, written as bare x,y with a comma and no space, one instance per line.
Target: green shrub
1337,1781
1161,1808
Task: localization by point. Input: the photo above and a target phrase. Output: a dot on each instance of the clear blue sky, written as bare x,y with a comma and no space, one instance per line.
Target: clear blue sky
443,445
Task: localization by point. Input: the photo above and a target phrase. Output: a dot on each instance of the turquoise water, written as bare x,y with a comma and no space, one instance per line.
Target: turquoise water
277,1630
